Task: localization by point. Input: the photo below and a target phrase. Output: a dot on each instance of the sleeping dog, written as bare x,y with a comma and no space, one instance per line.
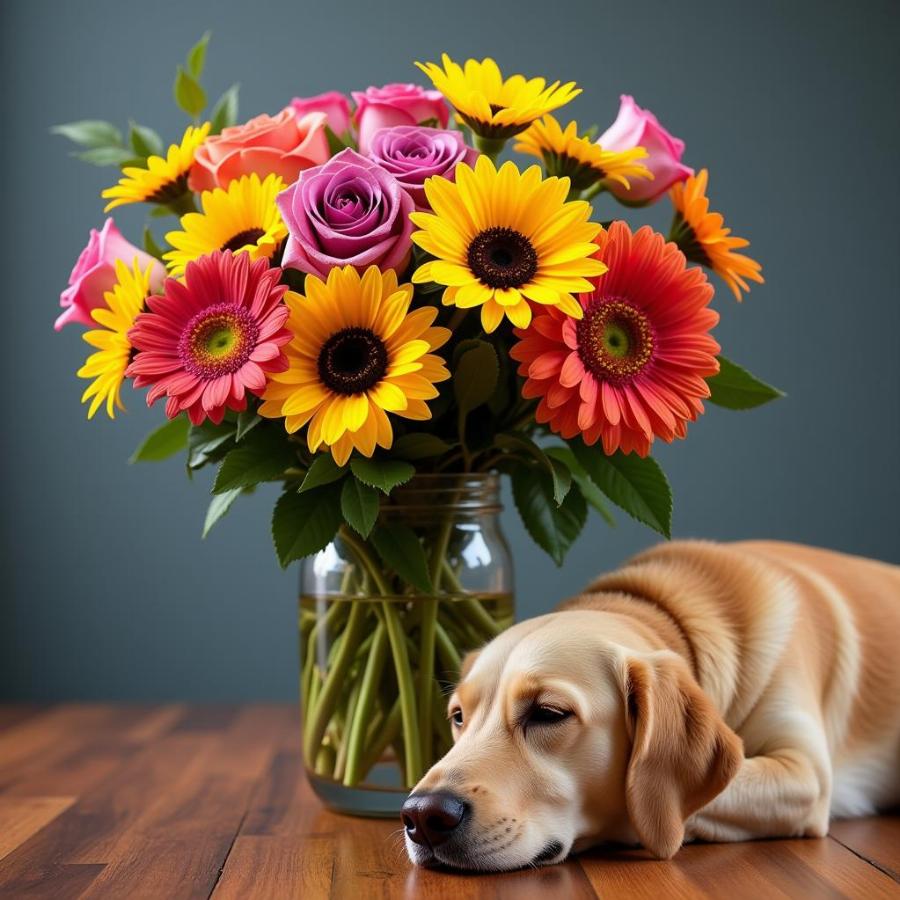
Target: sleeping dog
703,691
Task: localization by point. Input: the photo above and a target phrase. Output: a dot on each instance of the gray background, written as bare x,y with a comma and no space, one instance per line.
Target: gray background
107,590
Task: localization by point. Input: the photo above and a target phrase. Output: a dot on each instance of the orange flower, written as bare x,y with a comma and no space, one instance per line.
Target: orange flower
281,145
703,238
633,366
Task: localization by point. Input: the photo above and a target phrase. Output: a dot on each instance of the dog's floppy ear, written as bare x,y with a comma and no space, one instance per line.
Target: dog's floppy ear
682,753
467,663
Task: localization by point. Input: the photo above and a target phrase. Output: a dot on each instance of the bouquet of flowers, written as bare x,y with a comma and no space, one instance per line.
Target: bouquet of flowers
357,293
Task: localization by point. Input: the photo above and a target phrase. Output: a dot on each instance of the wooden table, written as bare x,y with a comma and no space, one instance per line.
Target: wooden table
178,801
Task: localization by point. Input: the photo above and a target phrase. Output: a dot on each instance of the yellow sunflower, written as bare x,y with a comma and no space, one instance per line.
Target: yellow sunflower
242,217
505,237
107,366
163,179
703,238
582,160
357,354
491,106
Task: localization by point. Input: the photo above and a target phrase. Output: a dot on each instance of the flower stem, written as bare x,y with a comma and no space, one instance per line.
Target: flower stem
490,147
334,682
362,713
449,655
400,654
407,694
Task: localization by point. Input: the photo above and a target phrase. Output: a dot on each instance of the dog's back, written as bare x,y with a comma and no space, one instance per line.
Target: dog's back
770,624
860,675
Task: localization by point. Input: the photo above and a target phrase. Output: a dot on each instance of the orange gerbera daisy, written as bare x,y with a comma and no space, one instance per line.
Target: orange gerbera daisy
633,367
703,238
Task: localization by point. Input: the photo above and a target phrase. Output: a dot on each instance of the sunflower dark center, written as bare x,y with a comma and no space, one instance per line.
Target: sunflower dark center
502,258
242,238
352,360
615,340
170,191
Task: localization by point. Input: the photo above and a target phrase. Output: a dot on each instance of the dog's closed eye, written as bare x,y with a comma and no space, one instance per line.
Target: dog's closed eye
540,716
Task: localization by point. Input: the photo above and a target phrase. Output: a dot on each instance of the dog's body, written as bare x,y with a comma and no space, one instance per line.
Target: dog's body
719,692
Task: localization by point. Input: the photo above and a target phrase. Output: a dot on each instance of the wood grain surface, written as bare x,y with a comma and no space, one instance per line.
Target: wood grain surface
106,801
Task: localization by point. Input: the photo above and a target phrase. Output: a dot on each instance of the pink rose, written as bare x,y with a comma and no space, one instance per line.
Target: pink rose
284,145
95,274
348,212
636,127
396,104
333,103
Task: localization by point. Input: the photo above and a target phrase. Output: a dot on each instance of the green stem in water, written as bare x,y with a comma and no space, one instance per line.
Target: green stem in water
447,652
362,713
340,761
400,654
407,694
378,738
334,682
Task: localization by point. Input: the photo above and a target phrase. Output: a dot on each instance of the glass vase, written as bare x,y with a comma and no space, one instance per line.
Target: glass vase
379,652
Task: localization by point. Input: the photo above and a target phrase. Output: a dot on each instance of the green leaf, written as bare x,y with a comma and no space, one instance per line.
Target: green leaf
384,474
196,57
303,524
359,505
553,528
335,143
150,244
165,441
401,550
188,94
246,421
90,133
261,457
735,388
144,141
105,156
637,485
523,446
324,470
420,445
475,376
225,112
589,490
218,507
208,443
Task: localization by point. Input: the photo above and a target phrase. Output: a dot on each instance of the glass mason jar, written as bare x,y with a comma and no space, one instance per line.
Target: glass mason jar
378,652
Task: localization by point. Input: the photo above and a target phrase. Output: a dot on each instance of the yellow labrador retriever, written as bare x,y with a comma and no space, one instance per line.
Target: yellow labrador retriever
704,691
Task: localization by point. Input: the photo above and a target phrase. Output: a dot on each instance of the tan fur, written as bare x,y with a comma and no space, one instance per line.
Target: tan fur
721,692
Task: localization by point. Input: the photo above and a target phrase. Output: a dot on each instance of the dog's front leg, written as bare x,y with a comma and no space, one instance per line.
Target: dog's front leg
783,794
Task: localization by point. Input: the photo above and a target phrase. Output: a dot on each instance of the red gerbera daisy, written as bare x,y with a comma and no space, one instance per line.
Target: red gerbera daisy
208,340
634,366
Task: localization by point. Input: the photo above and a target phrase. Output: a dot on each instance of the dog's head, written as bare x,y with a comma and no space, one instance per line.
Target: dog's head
564,738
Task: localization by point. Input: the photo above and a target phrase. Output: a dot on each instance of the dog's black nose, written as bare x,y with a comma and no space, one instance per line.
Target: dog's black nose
430,819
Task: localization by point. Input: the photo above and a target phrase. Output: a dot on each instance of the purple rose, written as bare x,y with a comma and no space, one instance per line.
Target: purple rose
349,211
412,153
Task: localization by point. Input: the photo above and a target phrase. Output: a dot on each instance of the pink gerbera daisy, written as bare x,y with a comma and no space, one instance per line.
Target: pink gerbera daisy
634,367
208,340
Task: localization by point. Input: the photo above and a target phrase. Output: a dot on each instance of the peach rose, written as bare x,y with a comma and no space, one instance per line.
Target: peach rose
285,145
